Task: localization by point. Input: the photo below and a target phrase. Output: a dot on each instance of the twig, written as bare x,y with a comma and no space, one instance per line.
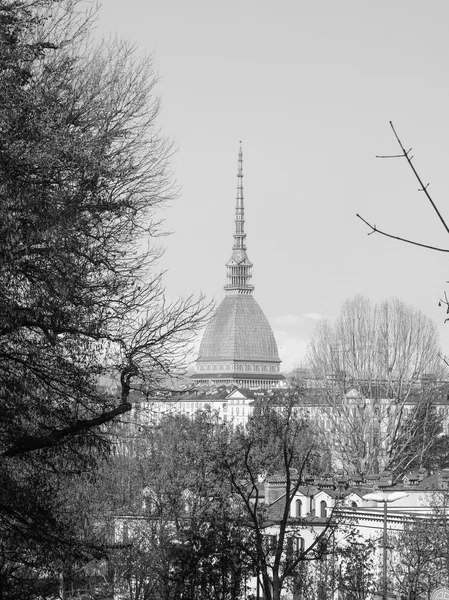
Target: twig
374,229
406,154
423,188
390,156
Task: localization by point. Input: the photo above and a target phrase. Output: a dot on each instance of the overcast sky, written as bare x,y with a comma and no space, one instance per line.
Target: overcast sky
309,87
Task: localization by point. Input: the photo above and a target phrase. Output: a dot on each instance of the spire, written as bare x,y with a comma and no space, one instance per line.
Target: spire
239,267
240,236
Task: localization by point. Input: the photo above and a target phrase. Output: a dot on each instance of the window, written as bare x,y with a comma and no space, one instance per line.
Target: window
272,541
299,544
295,544
298,508
125,532
323,507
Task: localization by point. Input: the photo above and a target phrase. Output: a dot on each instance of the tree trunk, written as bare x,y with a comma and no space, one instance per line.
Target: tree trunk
276,587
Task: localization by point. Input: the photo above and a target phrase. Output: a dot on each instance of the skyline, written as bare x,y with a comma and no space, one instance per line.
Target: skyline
310,90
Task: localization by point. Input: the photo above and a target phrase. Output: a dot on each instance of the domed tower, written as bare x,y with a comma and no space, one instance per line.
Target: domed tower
238,345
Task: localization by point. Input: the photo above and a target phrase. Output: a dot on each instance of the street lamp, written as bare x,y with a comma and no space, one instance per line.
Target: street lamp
385,498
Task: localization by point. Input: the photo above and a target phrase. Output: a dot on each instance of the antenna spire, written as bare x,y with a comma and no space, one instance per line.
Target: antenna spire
239,266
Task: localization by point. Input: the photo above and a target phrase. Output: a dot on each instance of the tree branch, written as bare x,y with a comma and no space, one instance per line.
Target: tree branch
30,443
374,229
423,188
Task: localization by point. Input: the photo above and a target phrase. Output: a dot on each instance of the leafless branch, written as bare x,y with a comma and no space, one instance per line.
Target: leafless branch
374,229
423,188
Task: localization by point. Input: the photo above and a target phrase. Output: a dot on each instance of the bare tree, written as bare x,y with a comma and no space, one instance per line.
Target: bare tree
371,367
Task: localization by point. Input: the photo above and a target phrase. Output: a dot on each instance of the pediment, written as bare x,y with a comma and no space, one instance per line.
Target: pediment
237,394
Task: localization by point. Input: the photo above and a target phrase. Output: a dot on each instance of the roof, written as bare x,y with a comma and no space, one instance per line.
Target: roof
275,512
240,331
437,481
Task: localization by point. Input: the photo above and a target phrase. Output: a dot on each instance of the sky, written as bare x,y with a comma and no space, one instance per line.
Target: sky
309,88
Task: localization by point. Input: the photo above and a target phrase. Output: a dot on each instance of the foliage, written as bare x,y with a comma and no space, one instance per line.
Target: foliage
82,169
346,568
415,569
185,539
439,530
420,560
277,441
316,580
356,567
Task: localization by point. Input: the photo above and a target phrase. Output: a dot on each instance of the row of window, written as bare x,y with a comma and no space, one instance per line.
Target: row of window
297,509
249,367
294,544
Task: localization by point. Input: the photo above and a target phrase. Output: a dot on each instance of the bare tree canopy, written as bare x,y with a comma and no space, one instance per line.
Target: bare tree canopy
372,365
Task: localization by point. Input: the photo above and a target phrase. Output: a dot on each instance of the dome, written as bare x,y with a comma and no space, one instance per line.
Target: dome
238,346
238,331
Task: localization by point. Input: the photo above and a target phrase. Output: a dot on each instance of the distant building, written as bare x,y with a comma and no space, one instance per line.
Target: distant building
238,346
229,403
314,505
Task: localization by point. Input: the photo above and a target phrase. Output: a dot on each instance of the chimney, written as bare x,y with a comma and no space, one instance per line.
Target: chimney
274,487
